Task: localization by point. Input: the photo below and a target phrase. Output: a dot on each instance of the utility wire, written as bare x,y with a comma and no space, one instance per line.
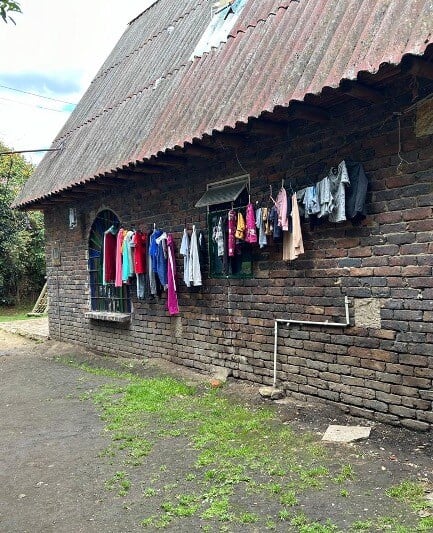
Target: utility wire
35,94
33,105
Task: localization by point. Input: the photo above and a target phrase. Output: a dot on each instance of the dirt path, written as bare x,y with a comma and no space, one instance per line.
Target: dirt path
53,479
50,477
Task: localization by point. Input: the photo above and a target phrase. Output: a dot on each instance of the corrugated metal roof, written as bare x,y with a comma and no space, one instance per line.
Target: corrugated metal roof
148,97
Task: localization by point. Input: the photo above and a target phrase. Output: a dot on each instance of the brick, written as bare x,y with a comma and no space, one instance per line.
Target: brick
416,425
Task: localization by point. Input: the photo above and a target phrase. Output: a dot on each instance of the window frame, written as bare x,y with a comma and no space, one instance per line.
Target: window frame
105,299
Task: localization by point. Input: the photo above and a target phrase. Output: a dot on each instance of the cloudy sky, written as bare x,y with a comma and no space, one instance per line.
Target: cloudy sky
54,51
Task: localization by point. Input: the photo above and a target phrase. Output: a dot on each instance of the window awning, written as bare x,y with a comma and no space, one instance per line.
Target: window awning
222,192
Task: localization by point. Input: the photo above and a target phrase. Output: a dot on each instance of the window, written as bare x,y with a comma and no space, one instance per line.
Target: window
104,298
219,198
224,14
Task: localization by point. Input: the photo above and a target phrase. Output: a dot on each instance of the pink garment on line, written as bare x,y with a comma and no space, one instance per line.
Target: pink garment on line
172,304
231,241
119,243
251,233
281,205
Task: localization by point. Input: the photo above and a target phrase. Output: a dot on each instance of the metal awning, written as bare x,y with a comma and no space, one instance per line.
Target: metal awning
222,192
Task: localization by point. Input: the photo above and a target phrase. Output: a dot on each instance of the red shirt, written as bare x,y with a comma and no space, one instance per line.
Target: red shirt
139,241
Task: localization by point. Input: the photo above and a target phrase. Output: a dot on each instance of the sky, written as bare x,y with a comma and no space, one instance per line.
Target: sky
54,50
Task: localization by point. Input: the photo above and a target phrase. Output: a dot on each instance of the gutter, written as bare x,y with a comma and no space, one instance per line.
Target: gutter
306,322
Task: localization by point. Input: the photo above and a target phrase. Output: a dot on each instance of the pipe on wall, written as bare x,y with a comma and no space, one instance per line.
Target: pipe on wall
306,322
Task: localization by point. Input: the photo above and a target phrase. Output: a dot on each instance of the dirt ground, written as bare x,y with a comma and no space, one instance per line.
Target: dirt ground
52,477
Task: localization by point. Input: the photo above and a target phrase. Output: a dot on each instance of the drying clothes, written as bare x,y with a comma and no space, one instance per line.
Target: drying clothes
139,240
277,232
109,255
260,225
251,234
266,221
339,178
311,202
184,250
231,226
281,205
326,200
194,259
162,258
293,245
127,258
141,286
150,272
153,247
172,304
240,227
357,191
218,237
119,243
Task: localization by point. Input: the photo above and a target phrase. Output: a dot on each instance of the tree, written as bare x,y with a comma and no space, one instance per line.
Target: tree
22,258
9,6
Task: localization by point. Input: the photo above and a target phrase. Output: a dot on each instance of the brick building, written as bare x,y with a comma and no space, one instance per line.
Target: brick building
281,91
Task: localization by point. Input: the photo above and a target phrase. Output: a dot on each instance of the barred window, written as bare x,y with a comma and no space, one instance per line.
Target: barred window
104,297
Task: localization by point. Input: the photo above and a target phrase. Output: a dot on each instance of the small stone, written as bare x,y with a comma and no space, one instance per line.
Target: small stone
266,392
220,373
346,433
215,383
277,394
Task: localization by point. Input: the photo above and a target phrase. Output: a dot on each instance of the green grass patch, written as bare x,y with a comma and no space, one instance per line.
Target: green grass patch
410,492
231,453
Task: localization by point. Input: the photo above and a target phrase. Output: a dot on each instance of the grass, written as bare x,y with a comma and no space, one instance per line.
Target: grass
236,454
11,314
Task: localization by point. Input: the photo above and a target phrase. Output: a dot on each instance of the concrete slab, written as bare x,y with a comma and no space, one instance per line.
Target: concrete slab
346,433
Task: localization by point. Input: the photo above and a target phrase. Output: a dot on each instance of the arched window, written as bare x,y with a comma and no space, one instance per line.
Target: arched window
104,296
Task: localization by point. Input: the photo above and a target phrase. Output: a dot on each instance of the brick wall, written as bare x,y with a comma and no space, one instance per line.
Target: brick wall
381,366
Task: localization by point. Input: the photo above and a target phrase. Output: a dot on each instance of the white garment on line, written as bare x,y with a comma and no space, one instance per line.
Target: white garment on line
184,250
194,260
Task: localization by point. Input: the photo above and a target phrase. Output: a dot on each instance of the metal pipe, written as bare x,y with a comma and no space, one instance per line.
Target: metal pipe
310,323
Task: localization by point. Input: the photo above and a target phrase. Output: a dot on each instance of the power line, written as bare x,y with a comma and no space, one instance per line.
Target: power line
31,151
33,105
35,94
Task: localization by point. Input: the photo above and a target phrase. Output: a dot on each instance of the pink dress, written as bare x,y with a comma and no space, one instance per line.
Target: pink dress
172,305
231,241
119,244
251,233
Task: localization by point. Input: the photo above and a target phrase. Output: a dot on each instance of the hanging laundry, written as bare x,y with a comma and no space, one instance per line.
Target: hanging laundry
231,239
339,179
311,202
184,250
172,303
109,255
240,227
162,258
277,232
127,257
194,260
357,191
266,221
292,242
260,225
251,234
281,205
150,272
139,241
218,237
119,243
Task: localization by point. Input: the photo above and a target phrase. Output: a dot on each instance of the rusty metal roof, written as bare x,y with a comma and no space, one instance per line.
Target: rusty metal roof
149,96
